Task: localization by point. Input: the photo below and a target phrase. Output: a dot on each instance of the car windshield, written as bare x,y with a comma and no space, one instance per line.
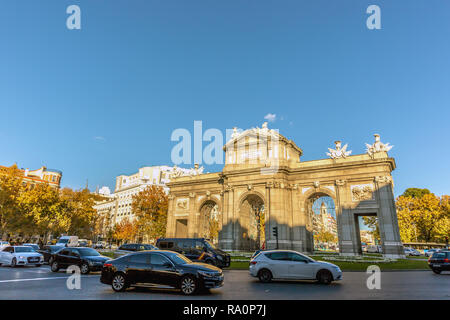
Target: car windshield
24,249
149,247
63,240
178,258
85,252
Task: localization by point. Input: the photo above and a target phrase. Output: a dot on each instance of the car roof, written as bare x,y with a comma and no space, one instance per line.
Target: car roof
171,239
156,251
279,250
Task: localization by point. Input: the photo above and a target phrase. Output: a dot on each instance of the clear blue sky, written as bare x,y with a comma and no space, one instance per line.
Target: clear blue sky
104,100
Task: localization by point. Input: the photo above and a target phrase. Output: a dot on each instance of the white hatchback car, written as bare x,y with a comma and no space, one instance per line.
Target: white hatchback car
20,256
292,265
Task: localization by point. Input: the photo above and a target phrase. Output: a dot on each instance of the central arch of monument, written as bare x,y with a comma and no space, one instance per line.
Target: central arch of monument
264,185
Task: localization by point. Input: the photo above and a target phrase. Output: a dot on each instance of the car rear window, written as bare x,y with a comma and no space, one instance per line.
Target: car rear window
166,245
439,255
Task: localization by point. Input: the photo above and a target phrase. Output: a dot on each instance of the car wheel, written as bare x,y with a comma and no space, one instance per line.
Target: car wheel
119,283
188,285
55,266
265,275
84,268
324,277
436,271
50,260
13,263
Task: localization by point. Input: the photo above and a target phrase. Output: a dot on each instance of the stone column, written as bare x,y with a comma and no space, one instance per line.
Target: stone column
345,220
269,225
192,227
226,234
387,219
170,228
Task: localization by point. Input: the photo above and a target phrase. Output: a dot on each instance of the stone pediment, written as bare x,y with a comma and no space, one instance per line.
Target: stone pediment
255,136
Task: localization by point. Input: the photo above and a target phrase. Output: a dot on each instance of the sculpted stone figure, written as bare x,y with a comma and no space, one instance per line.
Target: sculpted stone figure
377,146
338,152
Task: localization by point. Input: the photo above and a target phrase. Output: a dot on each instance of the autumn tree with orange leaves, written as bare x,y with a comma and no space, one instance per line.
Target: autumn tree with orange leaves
125,230
150,207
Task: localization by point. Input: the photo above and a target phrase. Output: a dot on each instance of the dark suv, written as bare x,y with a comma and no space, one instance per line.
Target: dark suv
198,249
132,248
440,261
160,268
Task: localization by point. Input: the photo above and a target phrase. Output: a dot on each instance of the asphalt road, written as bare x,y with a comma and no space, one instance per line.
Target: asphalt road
41,283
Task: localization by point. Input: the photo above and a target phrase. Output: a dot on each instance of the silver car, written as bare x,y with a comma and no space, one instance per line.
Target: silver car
292,265
132,248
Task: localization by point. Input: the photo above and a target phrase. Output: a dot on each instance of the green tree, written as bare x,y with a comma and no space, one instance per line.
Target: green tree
415,193
372,223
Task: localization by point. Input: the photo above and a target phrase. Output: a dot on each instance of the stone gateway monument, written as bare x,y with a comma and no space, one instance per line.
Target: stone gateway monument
264,185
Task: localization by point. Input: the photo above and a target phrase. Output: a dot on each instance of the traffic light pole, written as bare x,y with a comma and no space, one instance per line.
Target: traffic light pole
275,233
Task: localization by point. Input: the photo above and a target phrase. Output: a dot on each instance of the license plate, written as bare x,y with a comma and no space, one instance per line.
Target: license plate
436,265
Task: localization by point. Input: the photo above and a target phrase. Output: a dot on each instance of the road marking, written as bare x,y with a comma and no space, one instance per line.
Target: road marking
35,279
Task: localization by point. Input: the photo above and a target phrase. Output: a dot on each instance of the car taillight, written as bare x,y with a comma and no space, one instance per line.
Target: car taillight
107,265
253,262
446,260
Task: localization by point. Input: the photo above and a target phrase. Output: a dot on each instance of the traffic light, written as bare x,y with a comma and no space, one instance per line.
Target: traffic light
275,232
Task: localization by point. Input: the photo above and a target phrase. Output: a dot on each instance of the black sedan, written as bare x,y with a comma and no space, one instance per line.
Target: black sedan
160,268
440,261
48,251
87,259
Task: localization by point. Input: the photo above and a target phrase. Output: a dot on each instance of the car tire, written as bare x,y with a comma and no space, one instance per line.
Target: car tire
436,271
119,282
54,266
13,263
84,268
189,285
324,277
265,276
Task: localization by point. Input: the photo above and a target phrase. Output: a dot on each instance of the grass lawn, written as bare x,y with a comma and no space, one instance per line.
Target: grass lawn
402,264
108,254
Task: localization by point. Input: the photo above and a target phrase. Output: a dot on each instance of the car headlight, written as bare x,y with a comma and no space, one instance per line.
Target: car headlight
219,257
208,274
91,263
22,257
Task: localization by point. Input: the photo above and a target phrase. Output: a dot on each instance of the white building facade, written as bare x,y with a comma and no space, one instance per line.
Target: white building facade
117,206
